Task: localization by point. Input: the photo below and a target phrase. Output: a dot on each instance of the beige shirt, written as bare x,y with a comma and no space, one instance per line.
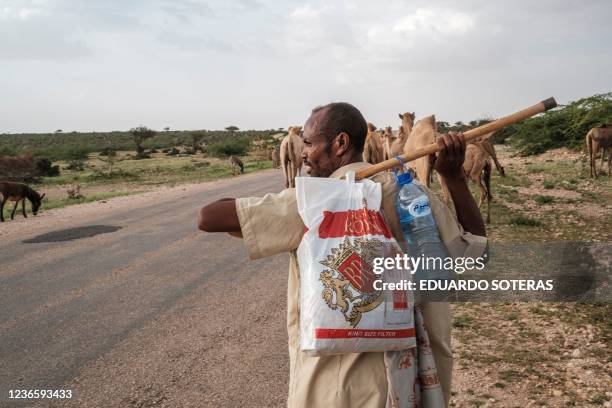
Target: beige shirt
271,225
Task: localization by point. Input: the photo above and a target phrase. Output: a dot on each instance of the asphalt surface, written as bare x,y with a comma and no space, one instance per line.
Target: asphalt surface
147,311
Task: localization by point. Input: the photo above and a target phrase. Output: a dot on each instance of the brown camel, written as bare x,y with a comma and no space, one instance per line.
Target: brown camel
484,142
394,146
599,139
407,122
477,167
373,149
291,155
423,133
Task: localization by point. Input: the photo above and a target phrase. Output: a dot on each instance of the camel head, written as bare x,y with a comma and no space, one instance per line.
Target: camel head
296,130
407,118
388,133
371,127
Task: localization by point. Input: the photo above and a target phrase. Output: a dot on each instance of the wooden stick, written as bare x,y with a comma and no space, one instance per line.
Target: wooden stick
470,134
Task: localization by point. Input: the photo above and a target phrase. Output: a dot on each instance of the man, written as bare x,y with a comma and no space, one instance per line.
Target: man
334,137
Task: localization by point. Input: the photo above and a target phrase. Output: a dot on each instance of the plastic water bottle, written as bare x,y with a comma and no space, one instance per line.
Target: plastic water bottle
419,228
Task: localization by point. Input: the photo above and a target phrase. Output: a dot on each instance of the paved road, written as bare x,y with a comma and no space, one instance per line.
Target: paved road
154,313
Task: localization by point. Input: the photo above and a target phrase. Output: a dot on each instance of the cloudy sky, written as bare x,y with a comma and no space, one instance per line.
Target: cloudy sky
260,64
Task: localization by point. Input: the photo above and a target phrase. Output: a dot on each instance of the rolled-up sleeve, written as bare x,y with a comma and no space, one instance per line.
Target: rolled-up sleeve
270,224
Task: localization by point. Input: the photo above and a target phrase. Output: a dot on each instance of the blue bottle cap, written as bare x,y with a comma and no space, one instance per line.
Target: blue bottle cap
404,178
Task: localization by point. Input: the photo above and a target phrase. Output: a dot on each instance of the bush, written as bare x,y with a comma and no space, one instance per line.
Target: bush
229,147
563,126
76,165
44,168
21,169
7,151
107,151
540,199
521,220
76,153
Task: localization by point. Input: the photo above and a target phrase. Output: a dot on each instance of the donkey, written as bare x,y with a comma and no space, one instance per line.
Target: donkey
235,163
276,157
19,192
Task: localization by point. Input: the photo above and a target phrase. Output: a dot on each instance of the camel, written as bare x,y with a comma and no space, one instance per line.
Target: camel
477,167
19,192
407,122
422,134
276,157
373,149
291,155
236,163
599,139
485,142
394,146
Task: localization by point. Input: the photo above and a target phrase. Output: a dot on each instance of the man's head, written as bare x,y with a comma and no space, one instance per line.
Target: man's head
334,136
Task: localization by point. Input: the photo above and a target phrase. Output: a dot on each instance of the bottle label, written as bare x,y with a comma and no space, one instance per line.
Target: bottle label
419,207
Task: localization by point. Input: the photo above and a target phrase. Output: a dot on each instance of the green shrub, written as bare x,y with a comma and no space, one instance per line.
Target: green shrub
76,165
8,151
548,185
562,126
229,147
540,199
44,167
521,220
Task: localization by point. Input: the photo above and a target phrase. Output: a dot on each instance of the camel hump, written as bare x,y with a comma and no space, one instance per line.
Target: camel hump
431,119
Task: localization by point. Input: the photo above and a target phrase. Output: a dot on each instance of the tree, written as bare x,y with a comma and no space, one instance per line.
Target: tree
167,128
110,160
443,126
196,139
58,131
232,129
139,135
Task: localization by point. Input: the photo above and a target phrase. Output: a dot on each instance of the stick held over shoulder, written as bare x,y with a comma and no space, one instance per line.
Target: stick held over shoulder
470,134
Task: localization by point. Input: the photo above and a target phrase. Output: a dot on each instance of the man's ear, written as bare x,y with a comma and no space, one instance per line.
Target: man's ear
342,143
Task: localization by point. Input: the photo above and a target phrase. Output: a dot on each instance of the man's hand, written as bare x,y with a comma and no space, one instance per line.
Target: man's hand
448,162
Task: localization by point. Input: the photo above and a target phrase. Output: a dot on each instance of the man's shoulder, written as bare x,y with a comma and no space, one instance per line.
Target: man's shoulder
386,179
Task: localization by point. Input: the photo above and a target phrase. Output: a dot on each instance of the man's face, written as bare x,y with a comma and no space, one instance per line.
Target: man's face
318,152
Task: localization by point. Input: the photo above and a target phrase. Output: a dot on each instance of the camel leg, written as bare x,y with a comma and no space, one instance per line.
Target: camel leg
23,208
284,164
292,168
595,146
2,209
486,177
609,162
14,209
483,192
488,209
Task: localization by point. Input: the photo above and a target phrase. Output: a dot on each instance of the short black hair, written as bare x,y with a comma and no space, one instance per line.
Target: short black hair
343,117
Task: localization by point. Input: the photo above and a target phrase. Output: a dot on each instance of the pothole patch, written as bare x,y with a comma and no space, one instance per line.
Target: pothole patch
71,234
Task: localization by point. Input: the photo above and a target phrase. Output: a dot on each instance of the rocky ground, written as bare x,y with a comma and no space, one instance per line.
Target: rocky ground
539,354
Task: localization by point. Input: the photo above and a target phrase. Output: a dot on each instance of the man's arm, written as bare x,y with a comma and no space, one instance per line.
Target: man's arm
219,216
449,164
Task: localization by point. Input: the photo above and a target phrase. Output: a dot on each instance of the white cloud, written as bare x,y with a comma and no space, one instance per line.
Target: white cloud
432,21
266,63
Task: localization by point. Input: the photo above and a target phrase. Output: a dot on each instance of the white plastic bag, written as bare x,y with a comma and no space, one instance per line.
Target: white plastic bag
341,311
